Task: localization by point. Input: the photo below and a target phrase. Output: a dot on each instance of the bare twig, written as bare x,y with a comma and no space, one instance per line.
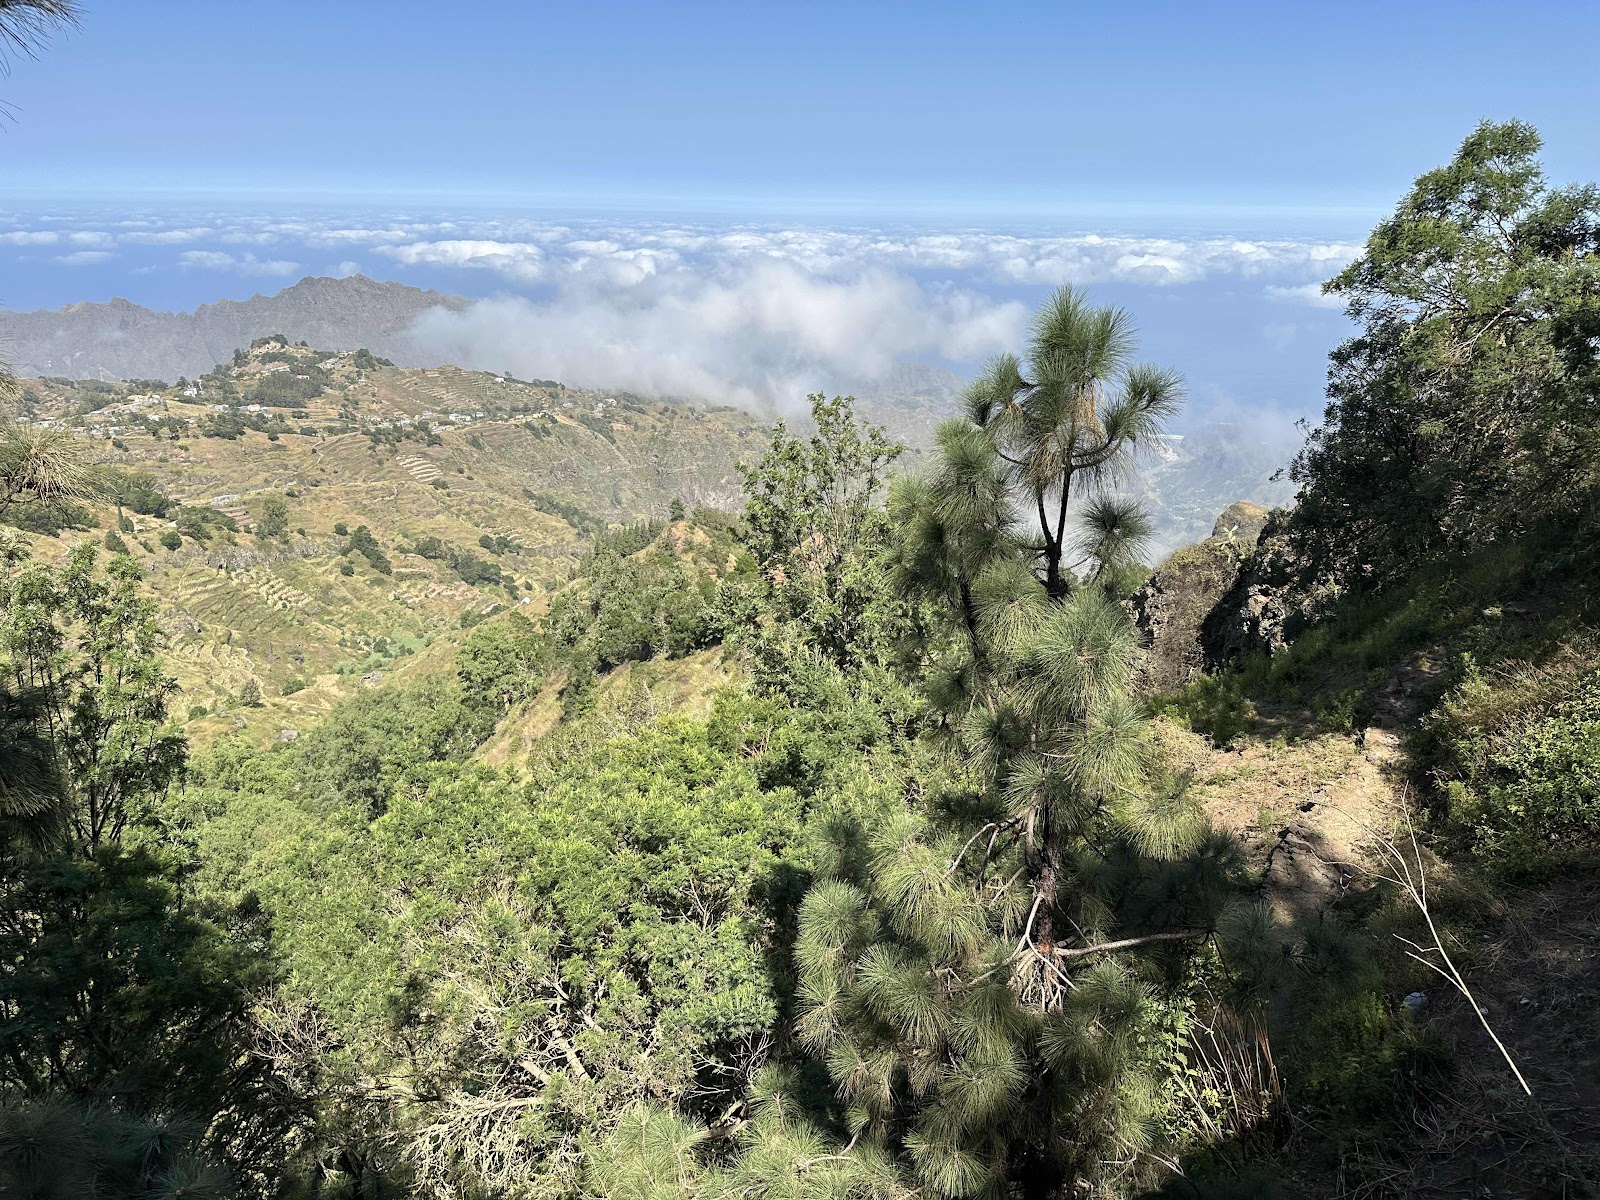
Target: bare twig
1410,876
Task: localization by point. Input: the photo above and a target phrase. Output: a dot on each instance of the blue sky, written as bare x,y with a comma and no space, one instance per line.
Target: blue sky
1025,107
615,179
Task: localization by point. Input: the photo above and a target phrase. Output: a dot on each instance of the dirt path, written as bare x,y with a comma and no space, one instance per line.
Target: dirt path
1307,812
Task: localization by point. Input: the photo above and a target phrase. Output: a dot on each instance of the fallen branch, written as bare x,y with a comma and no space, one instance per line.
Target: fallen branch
1177,935
1411,878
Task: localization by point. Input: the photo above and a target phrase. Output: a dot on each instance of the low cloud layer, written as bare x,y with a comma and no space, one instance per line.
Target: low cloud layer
242,264
756,334
750,314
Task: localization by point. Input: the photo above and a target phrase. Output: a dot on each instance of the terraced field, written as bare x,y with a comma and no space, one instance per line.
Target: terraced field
282,612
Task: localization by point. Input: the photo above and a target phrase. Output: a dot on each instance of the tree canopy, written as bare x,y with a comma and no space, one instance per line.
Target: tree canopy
1463,411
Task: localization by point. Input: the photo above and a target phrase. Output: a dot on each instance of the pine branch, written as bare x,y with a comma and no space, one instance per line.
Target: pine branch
1177,935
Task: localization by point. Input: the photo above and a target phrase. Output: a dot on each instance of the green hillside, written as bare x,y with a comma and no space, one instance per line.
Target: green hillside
533,469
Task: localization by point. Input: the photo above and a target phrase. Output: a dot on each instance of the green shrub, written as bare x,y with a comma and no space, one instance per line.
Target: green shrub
292,686
171,539
1214,705
1539,780
1358,1061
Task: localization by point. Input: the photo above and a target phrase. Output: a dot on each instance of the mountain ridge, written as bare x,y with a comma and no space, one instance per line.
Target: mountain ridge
121,339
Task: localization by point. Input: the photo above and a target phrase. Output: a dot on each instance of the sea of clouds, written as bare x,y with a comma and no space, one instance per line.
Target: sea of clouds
725,312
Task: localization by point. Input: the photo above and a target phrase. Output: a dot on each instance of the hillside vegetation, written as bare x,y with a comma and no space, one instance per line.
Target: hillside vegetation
310,543
853,826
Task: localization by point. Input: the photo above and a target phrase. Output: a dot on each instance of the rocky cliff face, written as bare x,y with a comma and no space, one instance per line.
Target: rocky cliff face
1173,606
122,340
1242,592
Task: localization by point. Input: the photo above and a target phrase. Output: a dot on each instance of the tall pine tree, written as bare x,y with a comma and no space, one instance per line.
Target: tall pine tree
986,975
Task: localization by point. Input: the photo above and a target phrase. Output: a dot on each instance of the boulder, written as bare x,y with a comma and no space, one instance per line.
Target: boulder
1242,521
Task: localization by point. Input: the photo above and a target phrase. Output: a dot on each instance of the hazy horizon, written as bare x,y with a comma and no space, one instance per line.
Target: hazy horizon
749,205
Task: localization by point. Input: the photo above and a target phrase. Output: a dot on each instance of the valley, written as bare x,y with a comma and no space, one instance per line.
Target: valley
513,475
751,627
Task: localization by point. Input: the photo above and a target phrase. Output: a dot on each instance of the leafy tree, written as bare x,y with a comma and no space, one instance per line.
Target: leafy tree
501,662
365,748
272,517
50,518
1463,411
197,521
87,646
990,978
637,599
138,491
363,543
814,520
121,1007
250,693
112,989
171,539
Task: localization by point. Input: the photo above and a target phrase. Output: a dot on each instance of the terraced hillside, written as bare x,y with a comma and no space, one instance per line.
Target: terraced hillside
477,493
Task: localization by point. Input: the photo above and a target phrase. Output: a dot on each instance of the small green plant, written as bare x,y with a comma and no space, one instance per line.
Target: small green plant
171,539
292,686
114,543
340,529
345,568
1215,706
197,711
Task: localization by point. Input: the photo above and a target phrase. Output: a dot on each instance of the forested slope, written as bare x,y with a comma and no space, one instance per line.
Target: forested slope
886,833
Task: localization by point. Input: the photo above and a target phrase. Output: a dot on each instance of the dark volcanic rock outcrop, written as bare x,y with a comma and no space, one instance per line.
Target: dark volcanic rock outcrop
1275,594
1173,606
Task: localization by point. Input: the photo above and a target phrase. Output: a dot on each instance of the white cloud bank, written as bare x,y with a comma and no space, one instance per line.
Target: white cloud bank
767,333
751,316
1309,294
548,253
748,314
242,264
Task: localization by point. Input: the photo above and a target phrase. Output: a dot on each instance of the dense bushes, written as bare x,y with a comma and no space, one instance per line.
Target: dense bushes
1516,751
137,491
483,972
637,599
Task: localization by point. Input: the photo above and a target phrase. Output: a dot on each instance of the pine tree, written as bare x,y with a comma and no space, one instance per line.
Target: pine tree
984,976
